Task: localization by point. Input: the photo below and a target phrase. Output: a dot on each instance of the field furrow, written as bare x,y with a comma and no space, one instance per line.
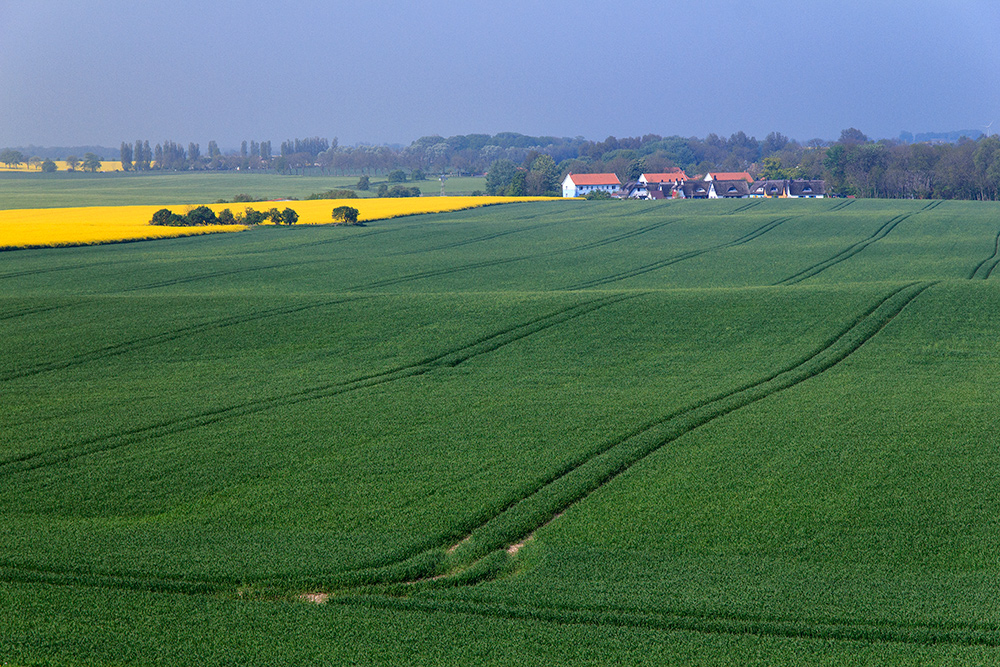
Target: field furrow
845,254
570,487
648,268
449,358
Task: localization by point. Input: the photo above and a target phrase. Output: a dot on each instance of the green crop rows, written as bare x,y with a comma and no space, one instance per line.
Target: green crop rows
712,433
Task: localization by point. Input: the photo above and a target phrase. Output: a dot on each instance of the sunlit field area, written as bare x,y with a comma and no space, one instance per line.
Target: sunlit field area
748,432
53,227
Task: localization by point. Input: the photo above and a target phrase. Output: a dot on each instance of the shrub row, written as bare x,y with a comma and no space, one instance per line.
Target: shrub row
203,215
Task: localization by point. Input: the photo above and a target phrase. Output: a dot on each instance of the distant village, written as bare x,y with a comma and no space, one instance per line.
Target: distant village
677,185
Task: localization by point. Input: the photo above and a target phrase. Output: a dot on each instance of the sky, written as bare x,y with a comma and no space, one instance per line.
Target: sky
99,72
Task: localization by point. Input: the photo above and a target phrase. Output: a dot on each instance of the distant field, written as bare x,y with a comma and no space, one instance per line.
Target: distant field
643,433
61,165
37,190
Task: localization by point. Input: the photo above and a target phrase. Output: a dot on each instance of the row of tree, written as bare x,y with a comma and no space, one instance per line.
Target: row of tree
14,158
203,215
514,164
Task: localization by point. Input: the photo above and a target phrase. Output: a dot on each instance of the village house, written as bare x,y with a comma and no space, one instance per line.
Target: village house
677,185
579,185
793,189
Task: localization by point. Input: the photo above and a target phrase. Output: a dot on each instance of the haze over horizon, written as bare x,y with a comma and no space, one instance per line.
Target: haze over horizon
107,71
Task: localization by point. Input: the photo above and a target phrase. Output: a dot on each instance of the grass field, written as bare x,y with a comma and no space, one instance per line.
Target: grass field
21,189
701,432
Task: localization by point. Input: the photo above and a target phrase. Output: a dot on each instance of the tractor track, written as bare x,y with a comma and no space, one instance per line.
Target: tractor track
449,358
654,266
846,253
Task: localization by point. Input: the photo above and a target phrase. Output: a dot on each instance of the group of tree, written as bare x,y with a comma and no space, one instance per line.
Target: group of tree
539,176
15,158
203,215
384,190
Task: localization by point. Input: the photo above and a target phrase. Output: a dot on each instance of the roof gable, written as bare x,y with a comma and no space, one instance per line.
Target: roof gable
729,176
594,179
677,176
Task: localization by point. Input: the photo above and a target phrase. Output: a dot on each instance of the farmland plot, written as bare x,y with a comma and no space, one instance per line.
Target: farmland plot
561,432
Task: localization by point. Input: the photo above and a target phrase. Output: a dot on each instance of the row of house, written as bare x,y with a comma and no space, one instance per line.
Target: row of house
677,185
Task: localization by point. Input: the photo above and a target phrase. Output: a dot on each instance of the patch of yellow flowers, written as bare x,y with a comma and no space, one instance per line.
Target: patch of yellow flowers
52,227
62,165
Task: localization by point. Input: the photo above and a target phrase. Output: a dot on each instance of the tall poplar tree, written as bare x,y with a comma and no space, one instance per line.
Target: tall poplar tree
126,156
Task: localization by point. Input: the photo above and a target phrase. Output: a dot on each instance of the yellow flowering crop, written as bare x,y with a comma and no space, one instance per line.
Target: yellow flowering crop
318,211
50,227
106,165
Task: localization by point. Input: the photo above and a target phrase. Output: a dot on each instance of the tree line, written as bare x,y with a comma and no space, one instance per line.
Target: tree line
854,164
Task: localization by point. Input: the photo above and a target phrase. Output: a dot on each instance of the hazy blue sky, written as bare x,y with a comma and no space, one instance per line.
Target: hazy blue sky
102,71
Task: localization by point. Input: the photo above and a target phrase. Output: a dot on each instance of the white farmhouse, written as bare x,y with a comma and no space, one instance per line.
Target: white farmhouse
579,185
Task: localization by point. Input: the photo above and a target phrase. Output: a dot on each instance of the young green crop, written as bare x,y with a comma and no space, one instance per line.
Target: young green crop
719,432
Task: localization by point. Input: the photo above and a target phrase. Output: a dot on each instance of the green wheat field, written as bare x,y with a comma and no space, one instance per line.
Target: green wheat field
701,432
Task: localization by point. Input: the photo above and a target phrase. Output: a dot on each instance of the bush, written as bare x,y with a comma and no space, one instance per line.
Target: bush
336,193
397,176
347,215
167,218
363,183
49,166
418,175
202,215
401,191
252,217
226,217
286,217
597,194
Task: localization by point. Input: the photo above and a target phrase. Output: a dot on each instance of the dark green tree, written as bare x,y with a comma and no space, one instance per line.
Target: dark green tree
397,176
364,183
201,215
346,214
253,217
11,157
126,156
166,217
500,176
226,217
49,166
542,177
518,184
91,162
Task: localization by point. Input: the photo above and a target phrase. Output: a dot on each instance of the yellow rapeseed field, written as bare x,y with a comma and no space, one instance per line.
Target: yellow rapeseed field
51,227
106,165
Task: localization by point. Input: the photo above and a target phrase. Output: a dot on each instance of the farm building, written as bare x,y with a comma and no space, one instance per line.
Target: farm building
578,185
794,189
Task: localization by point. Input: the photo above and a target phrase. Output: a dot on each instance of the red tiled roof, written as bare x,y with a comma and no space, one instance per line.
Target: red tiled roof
669,177
595,179
731,176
